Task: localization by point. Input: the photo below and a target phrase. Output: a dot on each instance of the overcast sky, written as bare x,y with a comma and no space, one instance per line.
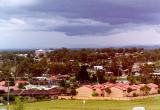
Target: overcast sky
78,23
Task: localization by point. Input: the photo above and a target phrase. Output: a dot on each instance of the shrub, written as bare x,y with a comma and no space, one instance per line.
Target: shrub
22,86
135,95
2,91
129,90
108,90
145,89
41,97
94,94
159,91
18,104
73,92
11,97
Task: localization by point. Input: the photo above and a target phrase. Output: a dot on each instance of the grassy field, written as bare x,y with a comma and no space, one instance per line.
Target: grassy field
149,104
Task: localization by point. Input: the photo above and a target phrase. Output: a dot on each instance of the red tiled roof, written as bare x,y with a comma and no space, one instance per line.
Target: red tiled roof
133,87
152,85
2,83
16,92
136,86
120,87
6,88
108,85
21,81
54,91
53,78
99,86
89,86
141,85
40,92
28,92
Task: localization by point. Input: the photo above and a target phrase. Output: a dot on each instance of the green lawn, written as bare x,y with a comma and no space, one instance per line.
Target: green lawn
150,104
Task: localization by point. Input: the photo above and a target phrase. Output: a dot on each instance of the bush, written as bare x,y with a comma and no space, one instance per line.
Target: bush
73,92
41,97
22,86
94,94
2,92
108,90
18,104
11,83
129,90
11,97
135,95
159,91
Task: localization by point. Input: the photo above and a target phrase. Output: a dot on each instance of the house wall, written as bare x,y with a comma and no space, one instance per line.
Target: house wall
100,92
115,92
153,91
137,91
84,92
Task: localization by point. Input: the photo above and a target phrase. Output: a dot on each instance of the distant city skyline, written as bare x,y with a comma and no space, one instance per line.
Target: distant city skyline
78,23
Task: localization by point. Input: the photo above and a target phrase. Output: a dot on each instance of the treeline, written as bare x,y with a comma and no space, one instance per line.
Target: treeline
69,61
89,55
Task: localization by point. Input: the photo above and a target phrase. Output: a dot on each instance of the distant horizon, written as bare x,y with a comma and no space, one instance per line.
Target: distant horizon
127,46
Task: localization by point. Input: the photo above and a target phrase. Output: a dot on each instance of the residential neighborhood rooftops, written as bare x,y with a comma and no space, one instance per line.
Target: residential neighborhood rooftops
120,86
32,92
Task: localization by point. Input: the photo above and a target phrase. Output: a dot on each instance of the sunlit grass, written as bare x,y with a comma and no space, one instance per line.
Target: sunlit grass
149,104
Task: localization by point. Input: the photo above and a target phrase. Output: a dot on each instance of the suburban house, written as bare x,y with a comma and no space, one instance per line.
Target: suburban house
156,74
84,91
98,67
11,88
136,67
153,87
18,82
2,83
118,90
22,55
32,93
40,52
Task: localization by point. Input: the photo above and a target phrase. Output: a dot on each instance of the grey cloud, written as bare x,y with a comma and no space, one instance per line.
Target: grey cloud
117,13
104,10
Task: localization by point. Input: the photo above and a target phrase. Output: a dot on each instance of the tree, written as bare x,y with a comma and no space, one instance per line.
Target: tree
83,76
147,69
37,69
94,94
108,90
129,90
132,79
145,89
57,68
111,79
100,76
5,73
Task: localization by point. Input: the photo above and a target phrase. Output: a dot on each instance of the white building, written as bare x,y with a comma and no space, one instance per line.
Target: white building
98,67
22,55
40,52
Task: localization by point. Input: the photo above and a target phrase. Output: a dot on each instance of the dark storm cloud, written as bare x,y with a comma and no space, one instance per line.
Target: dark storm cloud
49,23
112,11
117,13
